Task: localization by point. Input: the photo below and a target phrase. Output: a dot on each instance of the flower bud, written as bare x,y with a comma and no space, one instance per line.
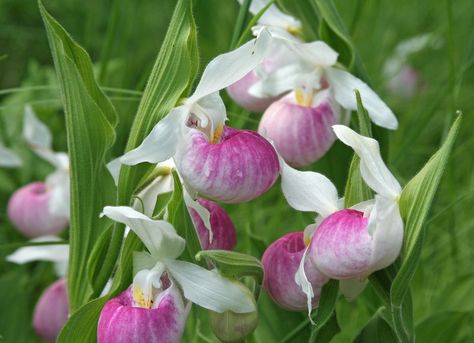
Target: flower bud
124,321
280,263
239,91
223,230
51,312
341,247
405,83
302,133
29,210
232,327
240,167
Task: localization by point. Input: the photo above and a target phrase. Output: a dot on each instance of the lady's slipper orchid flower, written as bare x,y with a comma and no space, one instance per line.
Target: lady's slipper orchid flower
8,159
280,262
214,160
319,93
123,320
42,208
52,309
349,244
278,23
201,286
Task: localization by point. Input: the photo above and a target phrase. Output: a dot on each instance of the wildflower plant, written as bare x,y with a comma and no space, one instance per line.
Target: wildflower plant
185,218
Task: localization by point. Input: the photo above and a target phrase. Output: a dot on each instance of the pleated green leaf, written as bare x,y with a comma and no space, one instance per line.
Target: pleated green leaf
90,122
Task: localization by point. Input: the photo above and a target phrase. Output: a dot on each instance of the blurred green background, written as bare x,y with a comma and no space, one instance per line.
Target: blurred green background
123,38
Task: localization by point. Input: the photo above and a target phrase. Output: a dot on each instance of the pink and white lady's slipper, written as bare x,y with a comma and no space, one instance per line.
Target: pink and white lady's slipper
8,158
276,21
218,162
300,123
42,208
280,262
52,309
349,244
130,317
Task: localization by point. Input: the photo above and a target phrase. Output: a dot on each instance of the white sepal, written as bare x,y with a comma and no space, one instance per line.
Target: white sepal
351,288
308,191
316,53
228,68
344,85
209,289
160,144
56,253
59,203
278,82
200,210
159,236
114,167
8,158
302,281
272,16
373,169
36,133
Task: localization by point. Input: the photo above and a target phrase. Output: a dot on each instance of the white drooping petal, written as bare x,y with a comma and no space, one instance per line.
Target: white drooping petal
280,81
159,236
8,158
36,133
302,281
228,68
316,53
160,144
386,226
308,191
58,183
209,289
114,167
343,84
143,284
373,169
272,16
200,210
50,253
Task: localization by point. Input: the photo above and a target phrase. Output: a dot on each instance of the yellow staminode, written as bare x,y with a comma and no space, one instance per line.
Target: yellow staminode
139,298
303,97
216,137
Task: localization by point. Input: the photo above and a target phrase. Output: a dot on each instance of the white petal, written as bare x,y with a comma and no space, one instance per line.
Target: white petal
373,169
278,82
200,210
272,16
209,289
158,236
160,144
308,191
50,253
388,232
230,67
59,203
114,167
302,281
351,288
318,53
35,132
8,158
344,84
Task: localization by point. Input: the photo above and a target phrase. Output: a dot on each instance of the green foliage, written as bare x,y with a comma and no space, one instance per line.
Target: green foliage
90,121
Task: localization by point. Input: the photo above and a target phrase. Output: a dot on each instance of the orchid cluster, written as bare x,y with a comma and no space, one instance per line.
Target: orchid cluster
193,159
